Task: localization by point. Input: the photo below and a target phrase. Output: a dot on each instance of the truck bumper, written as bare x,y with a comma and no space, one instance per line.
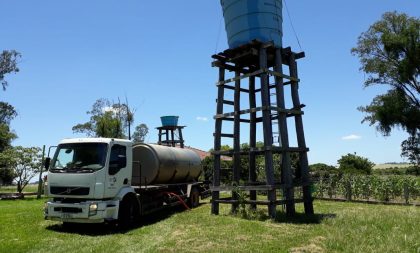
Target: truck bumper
83,212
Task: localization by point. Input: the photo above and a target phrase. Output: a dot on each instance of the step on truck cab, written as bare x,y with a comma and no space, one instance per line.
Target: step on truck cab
95,180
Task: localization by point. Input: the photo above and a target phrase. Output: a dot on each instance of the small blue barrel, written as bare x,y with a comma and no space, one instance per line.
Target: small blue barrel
247,20
169,120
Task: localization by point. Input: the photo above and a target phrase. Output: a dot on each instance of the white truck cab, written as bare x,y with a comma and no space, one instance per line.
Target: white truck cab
87,178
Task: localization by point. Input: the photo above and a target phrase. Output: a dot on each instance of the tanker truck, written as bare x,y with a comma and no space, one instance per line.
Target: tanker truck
96,180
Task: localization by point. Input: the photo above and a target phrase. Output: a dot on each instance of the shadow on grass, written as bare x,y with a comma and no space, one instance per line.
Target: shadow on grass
301,218
112,227
281,217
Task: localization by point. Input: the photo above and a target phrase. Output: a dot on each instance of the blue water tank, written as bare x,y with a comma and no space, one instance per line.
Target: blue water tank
169,120
246,20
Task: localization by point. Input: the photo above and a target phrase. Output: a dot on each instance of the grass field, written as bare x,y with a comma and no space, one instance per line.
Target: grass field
337,227
387,166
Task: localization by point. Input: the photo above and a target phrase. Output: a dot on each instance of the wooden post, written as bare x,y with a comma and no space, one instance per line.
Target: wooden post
303,156
236,139
173,144
217,144
282,128
268,132
181,139
252,140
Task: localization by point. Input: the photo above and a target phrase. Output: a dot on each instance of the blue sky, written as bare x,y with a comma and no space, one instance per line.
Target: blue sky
158,54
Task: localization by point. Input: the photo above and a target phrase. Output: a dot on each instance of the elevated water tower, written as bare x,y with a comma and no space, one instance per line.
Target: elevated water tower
253,75
170,134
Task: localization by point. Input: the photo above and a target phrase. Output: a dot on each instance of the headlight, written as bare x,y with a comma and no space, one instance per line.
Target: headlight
93,208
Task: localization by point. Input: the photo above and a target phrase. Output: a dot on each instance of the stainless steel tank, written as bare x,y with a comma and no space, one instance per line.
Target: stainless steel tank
156,164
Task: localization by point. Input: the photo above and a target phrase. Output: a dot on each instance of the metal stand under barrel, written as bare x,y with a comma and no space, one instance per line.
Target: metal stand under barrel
173,136
263,62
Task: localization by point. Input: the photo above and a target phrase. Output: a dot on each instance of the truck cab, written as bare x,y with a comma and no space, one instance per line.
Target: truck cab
87,178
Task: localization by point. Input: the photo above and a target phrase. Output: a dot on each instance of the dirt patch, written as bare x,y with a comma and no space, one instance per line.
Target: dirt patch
311,248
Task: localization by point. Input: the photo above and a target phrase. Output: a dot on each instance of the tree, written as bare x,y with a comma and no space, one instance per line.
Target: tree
140,133
107,120
6,176
411,149
352,163
8,64
7,113
25,163
390,55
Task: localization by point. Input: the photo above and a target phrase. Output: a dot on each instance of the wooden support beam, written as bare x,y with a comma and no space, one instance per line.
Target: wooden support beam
286,168
264,70
252,170
233,88
229,67
259,151
225,135
257,202
227,102
236,138
232,119
279,74
217,144
303,157
268,131
252,51
261,108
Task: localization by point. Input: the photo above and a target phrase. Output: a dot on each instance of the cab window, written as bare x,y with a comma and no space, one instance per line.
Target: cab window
118,158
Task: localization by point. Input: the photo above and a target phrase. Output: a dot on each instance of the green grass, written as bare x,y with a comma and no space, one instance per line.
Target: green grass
337,227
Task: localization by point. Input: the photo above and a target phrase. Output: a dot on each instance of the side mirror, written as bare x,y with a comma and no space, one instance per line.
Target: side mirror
47,163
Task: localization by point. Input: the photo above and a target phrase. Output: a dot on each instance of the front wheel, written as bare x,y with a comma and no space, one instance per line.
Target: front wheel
129,212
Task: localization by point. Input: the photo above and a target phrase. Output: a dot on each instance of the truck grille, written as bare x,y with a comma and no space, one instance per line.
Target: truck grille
58,190
68,209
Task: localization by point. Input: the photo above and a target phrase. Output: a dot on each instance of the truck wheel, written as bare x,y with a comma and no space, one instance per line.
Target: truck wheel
194,200
129,212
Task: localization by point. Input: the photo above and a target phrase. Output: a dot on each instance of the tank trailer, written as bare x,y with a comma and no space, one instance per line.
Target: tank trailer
95,180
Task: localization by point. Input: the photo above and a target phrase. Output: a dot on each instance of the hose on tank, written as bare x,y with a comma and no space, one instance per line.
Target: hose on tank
179,198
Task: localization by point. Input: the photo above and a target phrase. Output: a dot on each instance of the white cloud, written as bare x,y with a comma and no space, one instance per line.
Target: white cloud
351,137
202,118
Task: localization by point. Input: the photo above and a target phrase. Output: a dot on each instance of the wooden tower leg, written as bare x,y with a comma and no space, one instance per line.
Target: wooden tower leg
217,144
236,140
268,133
160,137
303,157
181,139
173,143
282,118
252,140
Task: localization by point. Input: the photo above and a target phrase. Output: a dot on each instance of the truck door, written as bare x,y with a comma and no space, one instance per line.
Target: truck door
117,170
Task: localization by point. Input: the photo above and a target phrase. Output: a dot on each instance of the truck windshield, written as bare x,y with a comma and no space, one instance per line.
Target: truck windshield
79,157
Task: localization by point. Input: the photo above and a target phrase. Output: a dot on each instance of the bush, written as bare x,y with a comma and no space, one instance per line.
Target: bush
354,164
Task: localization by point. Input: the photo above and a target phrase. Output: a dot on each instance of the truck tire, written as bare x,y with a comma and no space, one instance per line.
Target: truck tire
194,200
129,212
